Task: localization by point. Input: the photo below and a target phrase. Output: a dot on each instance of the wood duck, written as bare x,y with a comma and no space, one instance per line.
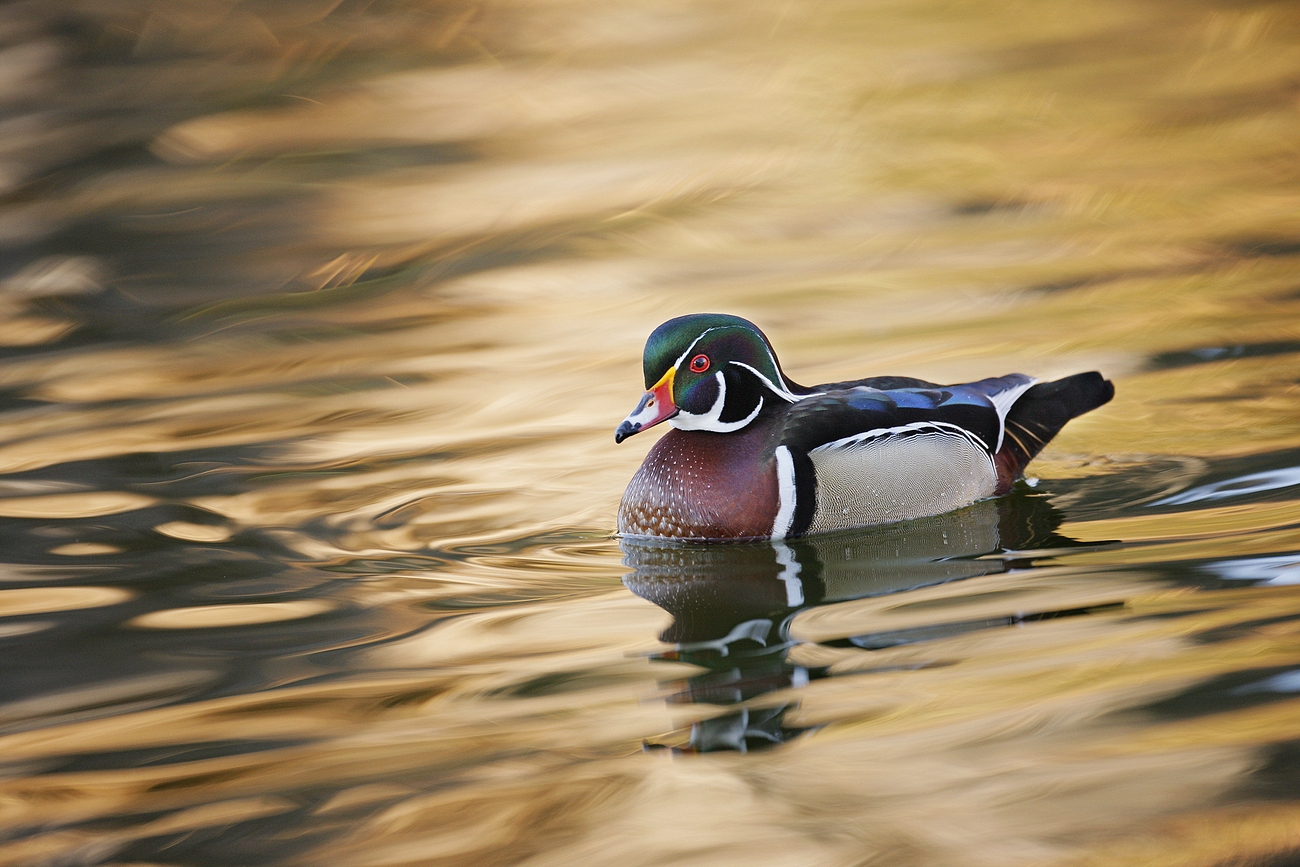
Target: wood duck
754,455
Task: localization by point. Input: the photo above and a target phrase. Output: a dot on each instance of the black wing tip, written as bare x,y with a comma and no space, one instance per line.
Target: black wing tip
1079,393
1040,413
1105,392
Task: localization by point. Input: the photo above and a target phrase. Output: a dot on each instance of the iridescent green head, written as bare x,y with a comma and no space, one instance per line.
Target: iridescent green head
707,371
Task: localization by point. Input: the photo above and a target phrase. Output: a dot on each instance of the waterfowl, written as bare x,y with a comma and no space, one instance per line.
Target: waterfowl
754,455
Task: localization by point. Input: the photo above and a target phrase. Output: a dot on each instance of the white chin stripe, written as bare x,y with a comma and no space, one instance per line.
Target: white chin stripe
712,420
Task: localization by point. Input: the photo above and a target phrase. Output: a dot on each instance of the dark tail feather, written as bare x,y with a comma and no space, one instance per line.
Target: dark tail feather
1039,415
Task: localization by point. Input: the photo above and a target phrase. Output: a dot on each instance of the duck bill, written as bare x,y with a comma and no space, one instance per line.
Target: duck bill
656,405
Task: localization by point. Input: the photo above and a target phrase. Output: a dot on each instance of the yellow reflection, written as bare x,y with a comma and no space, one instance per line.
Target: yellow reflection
1188,525
1259,833
220,813
932,189
194,532
38,600
85,549
247,614
1208,547
90,504
29,330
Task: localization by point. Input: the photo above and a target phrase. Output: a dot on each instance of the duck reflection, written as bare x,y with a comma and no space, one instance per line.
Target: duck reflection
732,605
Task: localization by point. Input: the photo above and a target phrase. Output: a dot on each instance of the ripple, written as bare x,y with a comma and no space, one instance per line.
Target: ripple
85,549
327,392
1254,483
91,504
40,600
1287,681
1280,569
249,614
194,532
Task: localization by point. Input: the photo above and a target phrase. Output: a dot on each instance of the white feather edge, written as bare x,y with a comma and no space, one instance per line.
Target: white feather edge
1002,403
939,427
780,391
786,492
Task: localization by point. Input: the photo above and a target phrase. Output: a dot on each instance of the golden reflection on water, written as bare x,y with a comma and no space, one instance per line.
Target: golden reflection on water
317,318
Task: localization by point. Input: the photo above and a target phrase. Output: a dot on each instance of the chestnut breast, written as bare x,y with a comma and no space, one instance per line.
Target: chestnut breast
701,485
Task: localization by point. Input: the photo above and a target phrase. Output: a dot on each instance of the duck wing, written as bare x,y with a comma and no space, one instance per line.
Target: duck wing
868,455
835,416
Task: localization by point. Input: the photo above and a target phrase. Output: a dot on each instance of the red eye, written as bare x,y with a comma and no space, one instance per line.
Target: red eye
699,364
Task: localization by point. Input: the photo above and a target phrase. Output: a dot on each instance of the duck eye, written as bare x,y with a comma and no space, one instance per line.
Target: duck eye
699,364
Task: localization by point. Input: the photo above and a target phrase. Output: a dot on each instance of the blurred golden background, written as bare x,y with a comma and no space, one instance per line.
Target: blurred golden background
316,319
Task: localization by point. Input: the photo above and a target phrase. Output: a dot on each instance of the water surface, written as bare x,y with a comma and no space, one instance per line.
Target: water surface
317,321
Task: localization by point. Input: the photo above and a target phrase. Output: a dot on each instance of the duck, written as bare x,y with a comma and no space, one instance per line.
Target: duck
751,454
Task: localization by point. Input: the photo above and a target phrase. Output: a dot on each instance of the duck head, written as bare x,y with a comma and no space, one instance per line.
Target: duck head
709,372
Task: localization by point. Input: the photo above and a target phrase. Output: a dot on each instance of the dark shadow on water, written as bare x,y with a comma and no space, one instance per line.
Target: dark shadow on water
732,604
1208,354
1231,692
1264,246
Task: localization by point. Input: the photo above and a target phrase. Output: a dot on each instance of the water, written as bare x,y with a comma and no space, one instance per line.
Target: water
319,317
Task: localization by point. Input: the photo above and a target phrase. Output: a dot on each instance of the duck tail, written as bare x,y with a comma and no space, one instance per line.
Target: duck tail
1040,413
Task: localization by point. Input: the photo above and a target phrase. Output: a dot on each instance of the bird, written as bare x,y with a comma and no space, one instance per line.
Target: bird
754,455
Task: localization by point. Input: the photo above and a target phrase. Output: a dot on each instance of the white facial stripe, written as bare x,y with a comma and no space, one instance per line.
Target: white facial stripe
779,391
785,494
682,357
712,420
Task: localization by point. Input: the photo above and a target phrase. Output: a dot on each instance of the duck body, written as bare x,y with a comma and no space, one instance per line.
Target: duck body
753,454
